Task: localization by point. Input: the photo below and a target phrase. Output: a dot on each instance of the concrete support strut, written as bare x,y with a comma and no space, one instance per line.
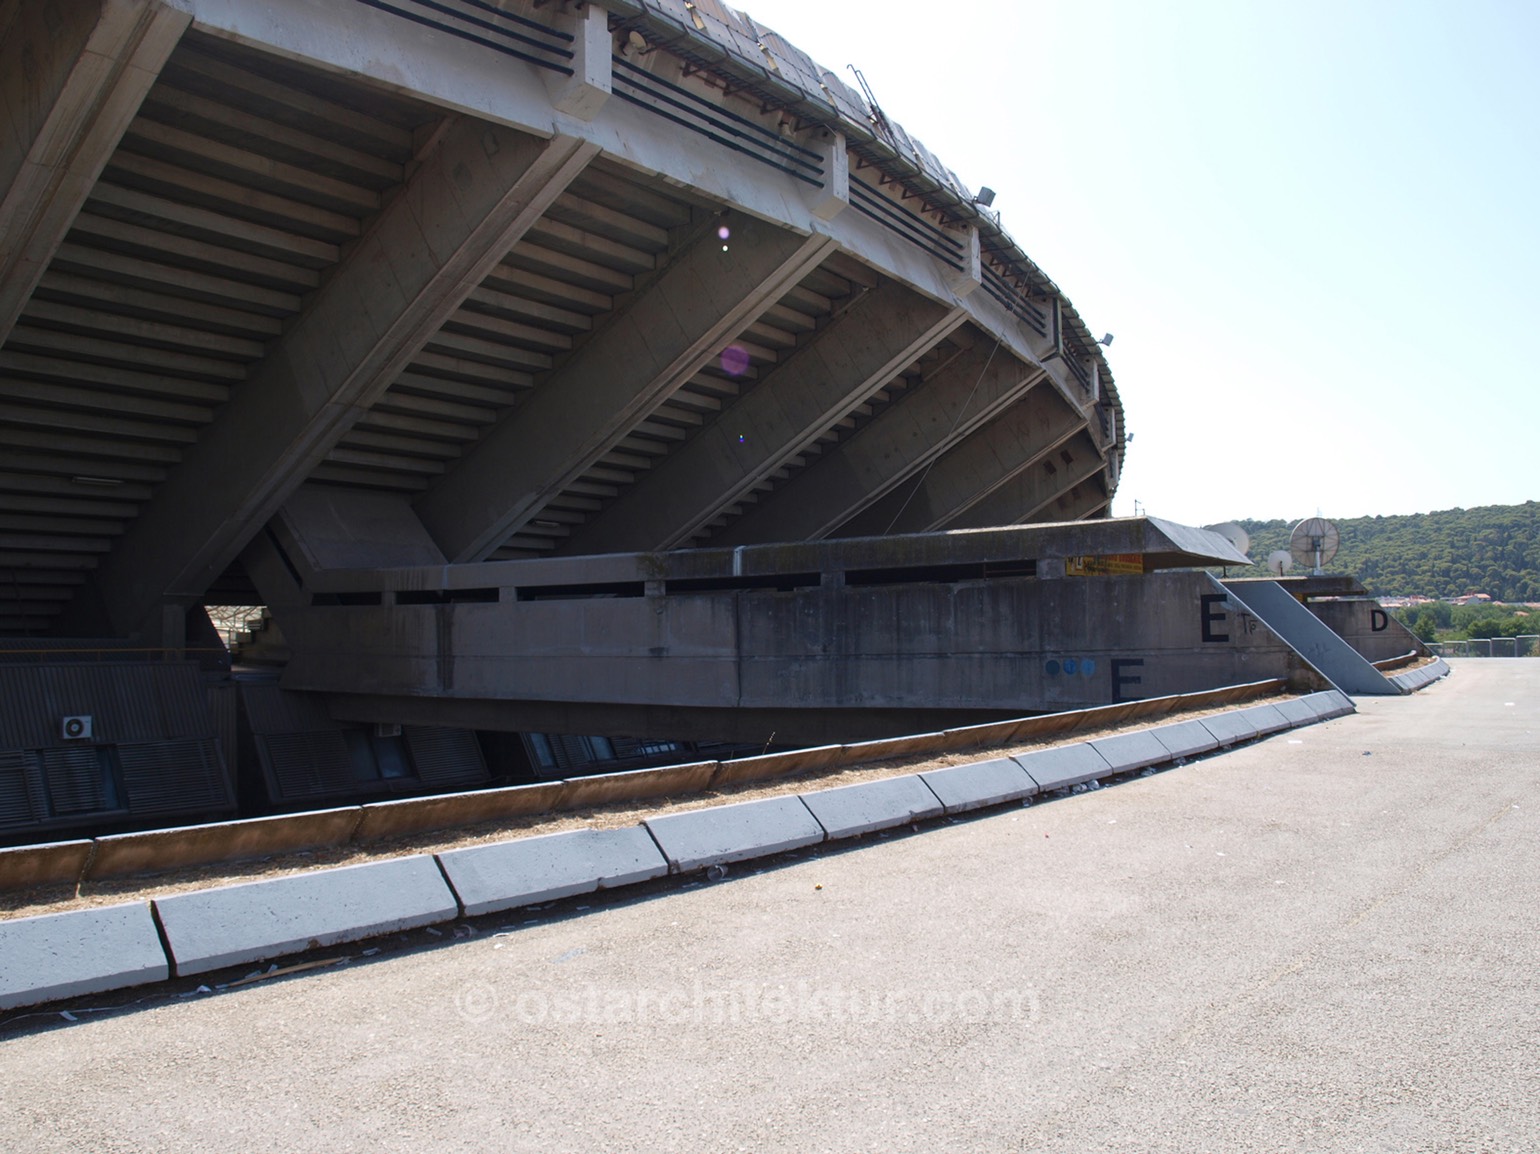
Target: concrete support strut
1033,489
845,363
967,472
72,76
475,195
708,293
966,394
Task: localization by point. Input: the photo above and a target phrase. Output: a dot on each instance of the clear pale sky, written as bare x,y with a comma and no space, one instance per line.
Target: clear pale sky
1311,227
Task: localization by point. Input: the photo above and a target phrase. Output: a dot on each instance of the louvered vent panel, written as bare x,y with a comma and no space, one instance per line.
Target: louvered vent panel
307,764
445,756
174,777
74,778
21,801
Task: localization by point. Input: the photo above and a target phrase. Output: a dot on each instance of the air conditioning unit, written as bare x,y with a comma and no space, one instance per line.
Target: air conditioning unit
77,728
387,729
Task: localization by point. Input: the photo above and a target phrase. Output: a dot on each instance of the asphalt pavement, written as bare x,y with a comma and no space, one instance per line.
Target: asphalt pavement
1323,941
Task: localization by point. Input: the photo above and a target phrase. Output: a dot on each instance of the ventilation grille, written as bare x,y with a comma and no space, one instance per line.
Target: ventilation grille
21,790
75,780
307,764
174,777
445,756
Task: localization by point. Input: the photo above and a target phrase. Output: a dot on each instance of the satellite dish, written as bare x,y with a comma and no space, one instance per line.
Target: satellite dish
1314,542
1232,533
1280,561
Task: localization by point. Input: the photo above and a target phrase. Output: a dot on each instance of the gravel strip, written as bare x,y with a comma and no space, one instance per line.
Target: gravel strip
57,899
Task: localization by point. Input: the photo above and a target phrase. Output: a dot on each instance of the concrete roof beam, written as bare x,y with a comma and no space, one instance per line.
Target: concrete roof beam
852,357
971,468
963,396
475,194
710,290
71,78
1030,493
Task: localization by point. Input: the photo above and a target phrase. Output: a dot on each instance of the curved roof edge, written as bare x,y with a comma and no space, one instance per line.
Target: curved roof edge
716,38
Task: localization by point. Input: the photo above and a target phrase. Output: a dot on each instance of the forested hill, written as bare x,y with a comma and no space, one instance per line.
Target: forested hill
1494,549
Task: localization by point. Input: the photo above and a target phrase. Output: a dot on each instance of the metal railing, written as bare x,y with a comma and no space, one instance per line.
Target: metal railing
1524,645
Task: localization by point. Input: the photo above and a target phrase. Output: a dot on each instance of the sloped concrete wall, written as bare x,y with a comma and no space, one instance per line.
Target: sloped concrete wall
1368,627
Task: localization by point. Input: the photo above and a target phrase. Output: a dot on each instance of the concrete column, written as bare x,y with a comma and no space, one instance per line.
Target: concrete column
72,76
967,472
475,194
830,199
706,295
585,92
1032,492
963,281
846,362
962,397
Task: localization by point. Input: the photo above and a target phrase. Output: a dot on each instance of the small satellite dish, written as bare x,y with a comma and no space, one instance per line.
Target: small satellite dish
1314,542
1280,561
1232,533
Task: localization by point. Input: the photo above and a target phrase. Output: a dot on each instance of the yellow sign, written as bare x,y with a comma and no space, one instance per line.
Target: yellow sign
1108,565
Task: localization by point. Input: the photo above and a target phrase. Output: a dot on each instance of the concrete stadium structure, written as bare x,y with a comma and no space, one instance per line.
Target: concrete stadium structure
540,366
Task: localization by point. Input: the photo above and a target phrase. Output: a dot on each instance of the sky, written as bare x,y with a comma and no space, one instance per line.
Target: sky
1313,228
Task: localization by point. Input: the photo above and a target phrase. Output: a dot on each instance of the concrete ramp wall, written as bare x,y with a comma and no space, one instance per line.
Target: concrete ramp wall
1311,638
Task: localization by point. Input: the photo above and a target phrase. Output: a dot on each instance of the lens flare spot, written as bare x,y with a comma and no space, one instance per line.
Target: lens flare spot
724,232
735,361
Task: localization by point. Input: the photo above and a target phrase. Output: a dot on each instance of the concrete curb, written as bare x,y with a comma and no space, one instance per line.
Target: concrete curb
59,956
52,863
531,870
1064,766
980,784
382,819
637,784
1185,738
727,833
125,854
1415,679
1126,752
1329,704
851,810
55,956
254,921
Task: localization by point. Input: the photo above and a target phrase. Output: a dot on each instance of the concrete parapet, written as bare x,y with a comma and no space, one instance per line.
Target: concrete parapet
1185,738
637,784
127,854
257,920
52,863
726,833
529,870
55,956
849,810
979,784
384,819
1064,765
1126,752
775,765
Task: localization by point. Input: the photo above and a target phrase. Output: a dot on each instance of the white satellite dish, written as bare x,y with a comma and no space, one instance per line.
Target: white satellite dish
1280,561
1314,542
1234,534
